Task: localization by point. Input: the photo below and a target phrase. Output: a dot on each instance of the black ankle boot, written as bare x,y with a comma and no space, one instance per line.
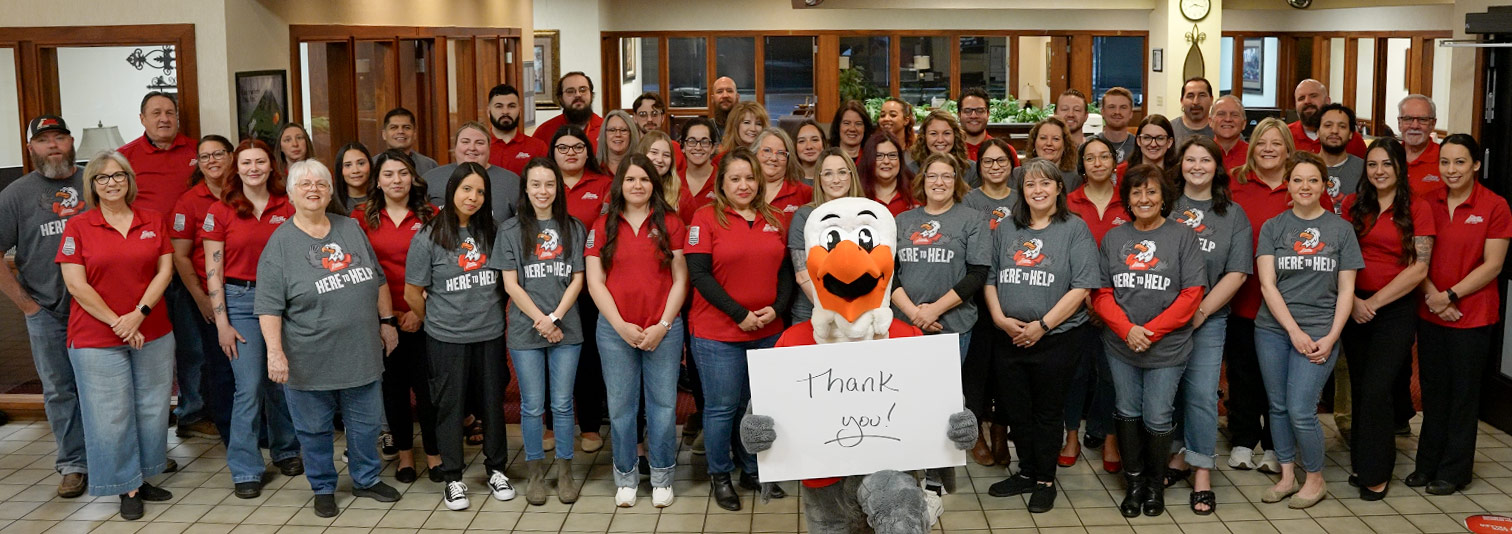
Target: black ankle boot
724,491
1131,446
1157,453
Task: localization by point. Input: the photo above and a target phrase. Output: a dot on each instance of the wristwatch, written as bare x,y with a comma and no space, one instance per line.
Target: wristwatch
555,320
665,325
1453,297
145,309
1043,325
390,320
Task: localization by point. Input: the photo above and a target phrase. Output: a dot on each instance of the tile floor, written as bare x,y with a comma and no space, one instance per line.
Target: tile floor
203,503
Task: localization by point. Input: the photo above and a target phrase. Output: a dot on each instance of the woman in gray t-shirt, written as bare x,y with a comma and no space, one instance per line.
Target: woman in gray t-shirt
837,178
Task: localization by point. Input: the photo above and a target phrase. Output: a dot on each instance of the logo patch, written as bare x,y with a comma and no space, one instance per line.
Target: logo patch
1309,242
471,258
927,234
209,225
148,234
550,246
1192,217
67,202
68,246
416,227
1002,212
693,232
590,196
589,243
178,222
1142,258
1030,253
330,256
277,219
1474,219
769,228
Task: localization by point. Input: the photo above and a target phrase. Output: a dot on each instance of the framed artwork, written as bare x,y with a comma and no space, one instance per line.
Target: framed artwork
1254,66
543,68
627,58
262,104
1157,60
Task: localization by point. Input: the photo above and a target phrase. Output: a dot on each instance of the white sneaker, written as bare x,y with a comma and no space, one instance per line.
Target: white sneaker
625,497
1269,463
934,506
1242,458
660,497
498,484
455,496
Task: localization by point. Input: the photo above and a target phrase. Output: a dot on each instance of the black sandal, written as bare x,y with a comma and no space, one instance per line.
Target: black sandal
1204,497
474,432
1172,476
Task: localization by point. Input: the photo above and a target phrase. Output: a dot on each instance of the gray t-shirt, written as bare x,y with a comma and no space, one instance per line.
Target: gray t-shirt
33,211
1147,271
544,270
1224,239
1122,150
503,189
1032,269
1344,180
1179,126
933,251
995,212
1308,257
465,302
1071,178
326,290
803,308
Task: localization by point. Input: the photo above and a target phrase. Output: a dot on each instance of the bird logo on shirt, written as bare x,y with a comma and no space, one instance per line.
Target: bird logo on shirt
1143,257
1309,242
66,202
1030,253
1192,217
927,234
550,246
471,258
1333,187
331,257
1002,212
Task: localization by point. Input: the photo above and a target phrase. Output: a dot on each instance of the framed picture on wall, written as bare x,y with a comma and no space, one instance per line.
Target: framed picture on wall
627,59
545,66
1254,66
262,104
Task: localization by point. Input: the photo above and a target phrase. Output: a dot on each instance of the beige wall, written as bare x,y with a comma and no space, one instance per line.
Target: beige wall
579,22
1401,18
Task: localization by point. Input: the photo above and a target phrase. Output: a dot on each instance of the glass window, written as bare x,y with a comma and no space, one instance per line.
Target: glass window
984,63
924,75
864,71
414,89
789,74
1032,81
637,74
650,65
11,153
1118,62
736,57
687,72
1226,65
374,98
1365,84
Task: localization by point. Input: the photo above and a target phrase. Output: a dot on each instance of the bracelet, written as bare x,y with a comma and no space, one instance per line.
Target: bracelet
1043,325
554,319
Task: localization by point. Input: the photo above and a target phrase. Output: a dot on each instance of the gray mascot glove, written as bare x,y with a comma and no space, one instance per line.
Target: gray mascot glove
757,432
962,431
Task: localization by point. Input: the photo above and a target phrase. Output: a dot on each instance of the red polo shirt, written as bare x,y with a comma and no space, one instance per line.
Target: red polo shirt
1460,248
1115,215
162,176
1423,172
971,150
589,198
244,237
636,278
1382,245
901,202
1356,144
515,153
391,242
1234,157
187,216
1260,204
695,199
792,195
547,129
746,259
119,268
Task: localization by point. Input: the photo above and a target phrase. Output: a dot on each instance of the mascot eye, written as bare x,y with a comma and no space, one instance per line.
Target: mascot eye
865,239
831,239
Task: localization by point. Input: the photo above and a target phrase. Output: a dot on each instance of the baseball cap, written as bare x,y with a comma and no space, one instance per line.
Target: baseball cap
46,123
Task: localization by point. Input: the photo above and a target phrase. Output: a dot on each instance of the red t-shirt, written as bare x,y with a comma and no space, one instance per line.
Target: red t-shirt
391,242
1115,215
1460,247
1422,173
119,268
244,237
971,150
1260,204
1235,156
802,334
746,260
548,129
589,198
1304,143
695,199
162,176
636,278
187,216
515,153
790,197
1382,245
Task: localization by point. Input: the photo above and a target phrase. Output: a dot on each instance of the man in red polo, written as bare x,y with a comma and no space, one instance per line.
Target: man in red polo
162,157
1416,118
510,149
1310,96
1228,130
574,92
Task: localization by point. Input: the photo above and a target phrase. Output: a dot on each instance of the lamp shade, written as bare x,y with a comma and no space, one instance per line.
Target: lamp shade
99,139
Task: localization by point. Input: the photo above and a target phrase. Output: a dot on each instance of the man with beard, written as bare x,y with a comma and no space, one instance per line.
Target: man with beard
471,144
574,93
722,98
510,148
400,132
1071,108
33,212
1416,118
1196,102
1310,96
1117,109
1228,122
1344,169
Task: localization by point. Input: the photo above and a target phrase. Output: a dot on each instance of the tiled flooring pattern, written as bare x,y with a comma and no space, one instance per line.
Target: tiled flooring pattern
203,503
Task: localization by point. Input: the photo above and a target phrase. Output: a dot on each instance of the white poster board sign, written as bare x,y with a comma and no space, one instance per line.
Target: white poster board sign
857,408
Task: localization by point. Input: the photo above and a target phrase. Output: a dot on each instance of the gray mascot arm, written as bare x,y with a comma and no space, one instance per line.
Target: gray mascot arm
962,430
757,432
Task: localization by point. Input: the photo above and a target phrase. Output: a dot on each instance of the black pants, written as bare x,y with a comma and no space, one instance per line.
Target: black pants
1248,406
407,369
1452,362
977,379
1402,397
1378,350
1031,389
455,368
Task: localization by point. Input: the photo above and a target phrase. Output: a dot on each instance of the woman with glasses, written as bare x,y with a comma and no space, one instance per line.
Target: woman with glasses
884,177
809,142
617,137
941,134
699,137
1155,137
586,187
994,200
837,179
1048,140
851,127
781,174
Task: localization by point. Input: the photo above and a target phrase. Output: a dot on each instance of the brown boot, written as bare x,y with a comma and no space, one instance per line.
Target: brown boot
72,485
1000,445
535,486
567,491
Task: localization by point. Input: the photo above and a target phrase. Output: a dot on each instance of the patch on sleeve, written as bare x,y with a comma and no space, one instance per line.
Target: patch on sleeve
209,223
68,246
693,232
178,222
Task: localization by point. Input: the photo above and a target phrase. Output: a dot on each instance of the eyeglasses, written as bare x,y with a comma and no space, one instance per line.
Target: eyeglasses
698,142
653,114
973,111
313,186
1153,139
103,179
940,177
1404,119
571,149
617,131
212,155
839,173
574,91
768,153
995,162
887,156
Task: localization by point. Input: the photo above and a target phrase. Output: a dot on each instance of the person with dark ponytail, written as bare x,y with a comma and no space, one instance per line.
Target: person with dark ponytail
586,186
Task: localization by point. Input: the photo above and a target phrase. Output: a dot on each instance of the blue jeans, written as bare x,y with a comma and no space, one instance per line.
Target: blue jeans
631,374
1197,400
1293,384
1090,393
727,391
123,394
256,397
1145,393
48,333
219,382
187,354
314,417
531,369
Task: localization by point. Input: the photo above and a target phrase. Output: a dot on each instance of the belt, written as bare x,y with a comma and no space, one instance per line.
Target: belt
249,284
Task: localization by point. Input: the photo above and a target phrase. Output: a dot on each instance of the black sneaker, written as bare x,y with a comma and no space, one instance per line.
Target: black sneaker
248,490
131,506
455,495
170,466
379,492
386,448
151,493
290,467
1017,484
1043,498
325,505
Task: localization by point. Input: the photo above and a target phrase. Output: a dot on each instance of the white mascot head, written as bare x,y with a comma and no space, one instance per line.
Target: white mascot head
850,244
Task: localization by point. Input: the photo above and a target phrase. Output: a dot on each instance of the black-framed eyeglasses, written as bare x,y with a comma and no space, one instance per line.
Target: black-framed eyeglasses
119,176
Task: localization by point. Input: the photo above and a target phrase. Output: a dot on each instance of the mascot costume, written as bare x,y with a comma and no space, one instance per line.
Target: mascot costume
851,243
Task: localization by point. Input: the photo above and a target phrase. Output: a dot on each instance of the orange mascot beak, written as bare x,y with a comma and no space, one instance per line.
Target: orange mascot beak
851,281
